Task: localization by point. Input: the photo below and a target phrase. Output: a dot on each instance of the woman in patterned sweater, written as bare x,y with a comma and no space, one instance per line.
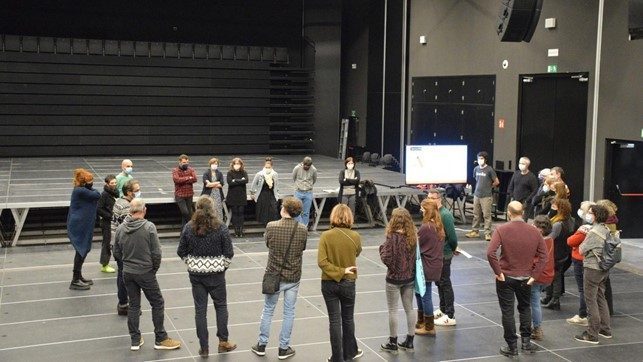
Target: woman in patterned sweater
206,248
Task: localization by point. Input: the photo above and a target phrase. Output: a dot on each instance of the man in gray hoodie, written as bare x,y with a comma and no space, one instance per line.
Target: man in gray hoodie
137,245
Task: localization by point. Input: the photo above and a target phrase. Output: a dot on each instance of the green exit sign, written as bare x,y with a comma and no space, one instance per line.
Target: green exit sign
553,68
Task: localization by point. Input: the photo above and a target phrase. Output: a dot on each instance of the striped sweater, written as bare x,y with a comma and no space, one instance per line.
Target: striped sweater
205,254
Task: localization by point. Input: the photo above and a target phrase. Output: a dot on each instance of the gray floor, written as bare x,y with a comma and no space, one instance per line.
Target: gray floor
41,319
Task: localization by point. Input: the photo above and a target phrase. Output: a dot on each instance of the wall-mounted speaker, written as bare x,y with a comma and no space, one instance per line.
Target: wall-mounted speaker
518,19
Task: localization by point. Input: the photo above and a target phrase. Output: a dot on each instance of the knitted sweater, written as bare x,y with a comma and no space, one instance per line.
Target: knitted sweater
398,258
205,254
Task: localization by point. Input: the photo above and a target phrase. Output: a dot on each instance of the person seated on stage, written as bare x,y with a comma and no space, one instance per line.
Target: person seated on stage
264,190
125,175
348,183
304,175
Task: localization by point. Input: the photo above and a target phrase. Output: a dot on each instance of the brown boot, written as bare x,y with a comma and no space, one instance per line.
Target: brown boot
537,334
420,321
226,346
429,325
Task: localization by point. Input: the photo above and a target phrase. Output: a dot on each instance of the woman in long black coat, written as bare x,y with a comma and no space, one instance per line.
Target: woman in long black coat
237,196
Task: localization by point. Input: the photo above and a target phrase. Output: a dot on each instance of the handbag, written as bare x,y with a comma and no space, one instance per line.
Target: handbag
272,279
420,282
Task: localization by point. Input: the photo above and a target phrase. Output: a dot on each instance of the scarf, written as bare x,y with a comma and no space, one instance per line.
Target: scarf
267,176
349,174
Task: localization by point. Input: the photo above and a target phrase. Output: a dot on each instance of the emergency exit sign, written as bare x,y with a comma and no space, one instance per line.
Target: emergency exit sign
553,68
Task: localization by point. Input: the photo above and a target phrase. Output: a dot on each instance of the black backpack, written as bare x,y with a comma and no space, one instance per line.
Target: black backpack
612,252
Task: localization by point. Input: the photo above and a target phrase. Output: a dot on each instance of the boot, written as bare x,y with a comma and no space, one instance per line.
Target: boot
391,346
241,234
86,281
407,345
226,346
237,233
420,321
554,304
509,351
78,285
429,326
527,346
537,334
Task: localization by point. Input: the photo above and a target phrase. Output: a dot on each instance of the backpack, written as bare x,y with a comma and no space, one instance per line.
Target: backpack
612,252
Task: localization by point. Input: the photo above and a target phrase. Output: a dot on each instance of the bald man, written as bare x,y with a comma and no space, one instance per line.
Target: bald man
522,259
125,175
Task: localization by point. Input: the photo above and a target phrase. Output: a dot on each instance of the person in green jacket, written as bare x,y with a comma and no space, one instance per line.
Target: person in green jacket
445,316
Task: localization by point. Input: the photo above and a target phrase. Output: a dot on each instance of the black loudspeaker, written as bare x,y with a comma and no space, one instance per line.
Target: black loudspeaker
518,19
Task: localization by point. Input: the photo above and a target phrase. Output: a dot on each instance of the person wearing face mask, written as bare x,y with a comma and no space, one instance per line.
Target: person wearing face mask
523,183
264,190
486,179
348,182
124,176
562,228
105,207
131,190
611,222
304,175
544,196
184,176
237,195
533,201
80,224
558,173
574,242
213,186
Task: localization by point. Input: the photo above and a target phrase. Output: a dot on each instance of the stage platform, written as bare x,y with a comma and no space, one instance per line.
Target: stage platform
42,320
30,183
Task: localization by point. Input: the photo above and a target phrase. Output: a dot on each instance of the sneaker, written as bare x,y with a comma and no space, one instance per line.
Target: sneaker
472,234
78,285
487,237
167,343
107,269
437,313
578,320
204,352
605,334
286,353
136,346
359,354
445,321
587,338
259,349
122,309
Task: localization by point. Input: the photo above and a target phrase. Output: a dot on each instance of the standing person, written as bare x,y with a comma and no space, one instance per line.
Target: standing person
431,238
137,244
206,248
546,194
125,175
213,186
486,179
574,242
304,175
536,196
523,182
445,315
338,250
562,228
398,254
611,222
105,207
81,220
515,272
237,198
131,190
265,191
543,224
348,183
184,176
286,242
594,277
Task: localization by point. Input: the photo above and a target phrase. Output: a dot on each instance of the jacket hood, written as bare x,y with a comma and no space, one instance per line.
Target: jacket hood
131,225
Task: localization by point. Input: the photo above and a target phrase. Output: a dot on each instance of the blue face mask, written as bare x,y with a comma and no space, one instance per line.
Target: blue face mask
128,170
137,195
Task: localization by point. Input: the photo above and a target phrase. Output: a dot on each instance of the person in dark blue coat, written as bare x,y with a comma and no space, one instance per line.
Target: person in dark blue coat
80,223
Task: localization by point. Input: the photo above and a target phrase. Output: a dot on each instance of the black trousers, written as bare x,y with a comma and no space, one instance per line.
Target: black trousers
214,286
445,289
186,207
237,215
148,284
106,248
340,303
509,291
121,290
78,266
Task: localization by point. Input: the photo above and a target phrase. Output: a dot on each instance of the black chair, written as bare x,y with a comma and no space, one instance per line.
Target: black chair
281,55
111,47
63,45
79,46
241,53
185,51
46,44
29,44
268,54
254,53
95,46
142,49
227,52
214,52
126,48
157,49
171,50
200,51
11,43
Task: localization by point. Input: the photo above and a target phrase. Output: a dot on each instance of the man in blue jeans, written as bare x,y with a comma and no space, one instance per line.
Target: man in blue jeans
304,175
286,241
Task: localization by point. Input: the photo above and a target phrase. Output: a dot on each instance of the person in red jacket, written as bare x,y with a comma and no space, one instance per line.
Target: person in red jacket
184,176
515,272
577,261
543,224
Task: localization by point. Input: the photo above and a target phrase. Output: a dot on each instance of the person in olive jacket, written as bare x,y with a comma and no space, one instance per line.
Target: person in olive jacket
237,196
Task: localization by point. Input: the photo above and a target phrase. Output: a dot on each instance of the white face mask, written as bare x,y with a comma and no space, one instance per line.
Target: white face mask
236,167
350,166
214,167
546,188
589,218
581,214
267,171
137,195
481,162
522,167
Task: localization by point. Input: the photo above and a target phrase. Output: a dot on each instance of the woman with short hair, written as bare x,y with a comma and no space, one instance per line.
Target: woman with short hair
338,250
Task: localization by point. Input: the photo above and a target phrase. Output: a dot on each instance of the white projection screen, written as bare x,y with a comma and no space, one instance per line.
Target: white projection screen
436,164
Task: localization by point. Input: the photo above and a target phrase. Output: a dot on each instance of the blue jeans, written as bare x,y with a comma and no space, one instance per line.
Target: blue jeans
425,303
290,298
340,303
578,275
536,312
306,198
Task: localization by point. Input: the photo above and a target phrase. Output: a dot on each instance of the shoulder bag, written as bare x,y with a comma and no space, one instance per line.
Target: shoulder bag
272,279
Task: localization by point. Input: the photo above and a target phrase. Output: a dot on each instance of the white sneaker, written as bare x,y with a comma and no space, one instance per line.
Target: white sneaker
578,320
445,321
437,313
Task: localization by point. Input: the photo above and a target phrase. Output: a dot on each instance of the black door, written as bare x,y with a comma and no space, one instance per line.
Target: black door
624,184
552,120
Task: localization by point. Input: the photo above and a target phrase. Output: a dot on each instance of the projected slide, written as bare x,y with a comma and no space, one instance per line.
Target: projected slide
436,164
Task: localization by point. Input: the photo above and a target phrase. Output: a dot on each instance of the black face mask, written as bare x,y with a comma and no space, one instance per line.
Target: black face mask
552,213
89,185
184,167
